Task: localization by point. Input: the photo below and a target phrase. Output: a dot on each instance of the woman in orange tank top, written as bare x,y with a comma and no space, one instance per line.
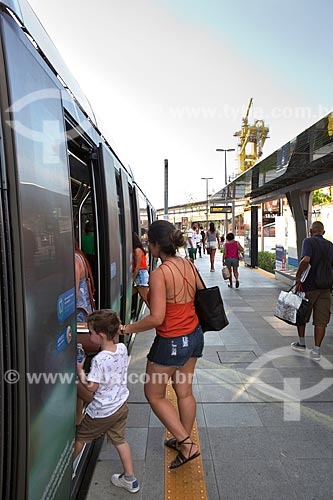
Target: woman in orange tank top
179,338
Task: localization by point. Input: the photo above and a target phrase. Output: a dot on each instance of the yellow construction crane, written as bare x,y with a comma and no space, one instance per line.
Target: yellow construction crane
256,135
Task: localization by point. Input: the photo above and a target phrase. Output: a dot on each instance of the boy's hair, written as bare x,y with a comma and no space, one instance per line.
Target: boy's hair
104,321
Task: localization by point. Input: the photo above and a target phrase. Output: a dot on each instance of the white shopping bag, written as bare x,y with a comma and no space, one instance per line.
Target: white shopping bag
225,273
287,306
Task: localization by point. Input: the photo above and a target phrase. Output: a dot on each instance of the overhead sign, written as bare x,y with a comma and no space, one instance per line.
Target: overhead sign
221,209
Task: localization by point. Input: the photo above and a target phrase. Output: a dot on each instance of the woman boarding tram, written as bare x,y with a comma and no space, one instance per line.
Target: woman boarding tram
179,338
140,274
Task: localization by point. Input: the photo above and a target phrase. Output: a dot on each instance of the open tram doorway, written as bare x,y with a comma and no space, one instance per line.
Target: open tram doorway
83,190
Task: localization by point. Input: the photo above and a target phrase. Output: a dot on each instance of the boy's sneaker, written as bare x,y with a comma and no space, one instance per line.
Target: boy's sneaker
315,355
297,346
119,480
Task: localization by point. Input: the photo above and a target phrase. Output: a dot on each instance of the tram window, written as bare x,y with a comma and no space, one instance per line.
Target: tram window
144,222
134,215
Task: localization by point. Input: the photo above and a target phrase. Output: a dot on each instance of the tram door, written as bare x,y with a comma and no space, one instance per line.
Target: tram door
127,252
108,205
43,279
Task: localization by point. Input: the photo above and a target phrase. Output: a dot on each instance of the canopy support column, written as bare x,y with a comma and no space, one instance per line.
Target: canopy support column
300,203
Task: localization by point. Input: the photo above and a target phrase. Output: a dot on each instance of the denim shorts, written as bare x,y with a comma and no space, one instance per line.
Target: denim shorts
232,262
142,278
176,351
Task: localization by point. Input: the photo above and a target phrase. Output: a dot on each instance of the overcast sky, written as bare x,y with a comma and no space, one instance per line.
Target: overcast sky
173,78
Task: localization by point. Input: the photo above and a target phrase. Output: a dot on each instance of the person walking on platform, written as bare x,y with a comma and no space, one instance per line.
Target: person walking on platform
314,250
178,342
212,240
107,380
230,257
198,240
192,242
203,237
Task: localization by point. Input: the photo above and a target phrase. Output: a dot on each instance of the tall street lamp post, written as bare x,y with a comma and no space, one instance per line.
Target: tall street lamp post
207,207
225,162
226,181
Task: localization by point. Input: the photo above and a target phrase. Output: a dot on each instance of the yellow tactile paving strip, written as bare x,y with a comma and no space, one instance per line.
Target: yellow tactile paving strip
186,482
265,273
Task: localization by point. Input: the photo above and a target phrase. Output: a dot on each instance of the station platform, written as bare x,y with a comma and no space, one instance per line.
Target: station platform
264,411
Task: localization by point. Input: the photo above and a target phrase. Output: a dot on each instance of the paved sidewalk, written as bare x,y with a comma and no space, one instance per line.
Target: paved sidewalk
258,441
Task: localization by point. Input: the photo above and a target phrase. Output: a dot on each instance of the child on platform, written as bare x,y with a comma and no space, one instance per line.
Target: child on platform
107,379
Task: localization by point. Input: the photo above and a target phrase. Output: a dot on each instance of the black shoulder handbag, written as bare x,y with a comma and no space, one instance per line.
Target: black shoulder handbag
209,307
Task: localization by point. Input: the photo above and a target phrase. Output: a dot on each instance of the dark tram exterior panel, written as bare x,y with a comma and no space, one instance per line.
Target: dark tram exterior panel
56,173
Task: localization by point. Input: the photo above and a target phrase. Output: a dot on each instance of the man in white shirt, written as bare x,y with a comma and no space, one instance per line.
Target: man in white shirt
192,242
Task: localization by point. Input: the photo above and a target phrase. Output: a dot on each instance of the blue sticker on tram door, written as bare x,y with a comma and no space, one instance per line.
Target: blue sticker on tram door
63,339
66,305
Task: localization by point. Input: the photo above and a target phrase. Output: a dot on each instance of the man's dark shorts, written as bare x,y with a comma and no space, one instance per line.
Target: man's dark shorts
321,306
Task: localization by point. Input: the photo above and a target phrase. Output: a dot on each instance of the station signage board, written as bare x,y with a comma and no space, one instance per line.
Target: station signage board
221,209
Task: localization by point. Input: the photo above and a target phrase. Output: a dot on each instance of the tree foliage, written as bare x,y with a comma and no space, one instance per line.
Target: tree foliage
319,197
266,261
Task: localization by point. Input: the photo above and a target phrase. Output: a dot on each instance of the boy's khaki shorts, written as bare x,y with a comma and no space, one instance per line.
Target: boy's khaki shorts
113,426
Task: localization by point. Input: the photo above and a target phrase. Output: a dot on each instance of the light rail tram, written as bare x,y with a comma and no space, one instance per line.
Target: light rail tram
58,174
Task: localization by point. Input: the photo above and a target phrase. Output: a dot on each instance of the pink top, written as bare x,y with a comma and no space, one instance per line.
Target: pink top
231,250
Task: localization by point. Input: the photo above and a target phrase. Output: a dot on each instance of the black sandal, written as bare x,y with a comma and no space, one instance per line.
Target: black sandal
180,458
172,443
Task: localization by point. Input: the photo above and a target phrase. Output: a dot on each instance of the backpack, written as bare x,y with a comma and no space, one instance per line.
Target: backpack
323,272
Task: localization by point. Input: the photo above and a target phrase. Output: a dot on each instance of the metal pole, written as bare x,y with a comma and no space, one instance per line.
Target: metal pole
207,199
225,167
262,240
226,181
225,198
166,189
207,204
226,214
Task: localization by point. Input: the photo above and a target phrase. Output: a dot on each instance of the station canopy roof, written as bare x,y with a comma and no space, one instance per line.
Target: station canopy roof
304,163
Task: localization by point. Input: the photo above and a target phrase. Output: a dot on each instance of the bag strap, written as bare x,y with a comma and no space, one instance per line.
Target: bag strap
89,282
91,297
195,271
296,288
81,308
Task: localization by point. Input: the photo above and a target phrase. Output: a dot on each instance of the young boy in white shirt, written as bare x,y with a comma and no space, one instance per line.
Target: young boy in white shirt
107,379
